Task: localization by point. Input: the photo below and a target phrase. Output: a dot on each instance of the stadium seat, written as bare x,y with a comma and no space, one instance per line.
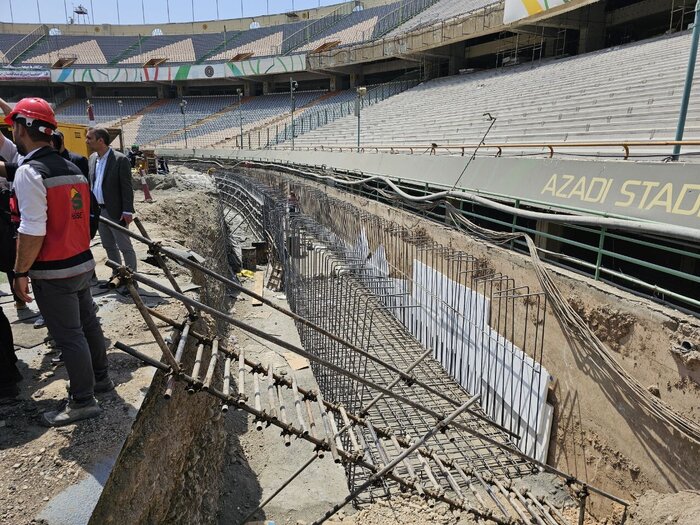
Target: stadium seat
625,93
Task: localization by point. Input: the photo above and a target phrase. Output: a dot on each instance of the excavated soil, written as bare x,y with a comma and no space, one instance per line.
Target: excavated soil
652,508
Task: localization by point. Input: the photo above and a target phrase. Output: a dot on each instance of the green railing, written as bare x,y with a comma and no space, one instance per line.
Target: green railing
314,28
666,270
270,136
404,12
28,42
312,119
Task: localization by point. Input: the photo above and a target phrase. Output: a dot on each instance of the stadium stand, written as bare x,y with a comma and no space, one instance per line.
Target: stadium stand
85,53
256,112
334,106
115,47
130,127
128,46
47,49
205,44
355,28
89,50
442,10
358,26
174,49
637,101
625,93
106,109
263,41
7,41
167,118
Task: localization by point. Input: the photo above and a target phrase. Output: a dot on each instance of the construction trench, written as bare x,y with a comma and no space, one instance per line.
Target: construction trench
429,367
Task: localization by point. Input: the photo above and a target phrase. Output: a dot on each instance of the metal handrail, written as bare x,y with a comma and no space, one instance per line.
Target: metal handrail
405,11
315,27
599,270
393,44
33,37
465,149
268,134
378,92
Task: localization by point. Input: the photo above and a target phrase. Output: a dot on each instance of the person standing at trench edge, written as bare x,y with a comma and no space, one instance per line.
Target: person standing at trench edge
53,251
110,178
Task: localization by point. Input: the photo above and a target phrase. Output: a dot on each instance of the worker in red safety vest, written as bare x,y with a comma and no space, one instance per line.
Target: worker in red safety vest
54,252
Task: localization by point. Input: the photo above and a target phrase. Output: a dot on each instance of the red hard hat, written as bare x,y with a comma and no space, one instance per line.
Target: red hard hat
31,109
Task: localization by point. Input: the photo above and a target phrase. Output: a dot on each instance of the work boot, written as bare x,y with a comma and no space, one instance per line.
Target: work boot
70,412
101,386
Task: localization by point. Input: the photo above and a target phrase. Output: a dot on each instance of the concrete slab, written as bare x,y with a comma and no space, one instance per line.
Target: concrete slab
74,505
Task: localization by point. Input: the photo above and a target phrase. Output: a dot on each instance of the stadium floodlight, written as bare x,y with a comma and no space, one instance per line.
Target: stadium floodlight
121,122
293,84
361,93
239,91
183,105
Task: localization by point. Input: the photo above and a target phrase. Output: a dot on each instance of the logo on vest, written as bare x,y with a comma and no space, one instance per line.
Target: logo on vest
76,200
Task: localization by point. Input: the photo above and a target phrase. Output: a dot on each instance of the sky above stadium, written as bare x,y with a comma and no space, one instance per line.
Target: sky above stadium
144,11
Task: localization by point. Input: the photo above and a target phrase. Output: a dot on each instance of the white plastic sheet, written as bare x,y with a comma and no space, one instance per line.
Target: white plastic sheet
453,320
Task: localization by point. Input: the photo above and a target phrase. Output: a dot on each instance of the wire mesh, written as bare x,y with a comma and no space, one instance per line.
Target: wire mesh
395,292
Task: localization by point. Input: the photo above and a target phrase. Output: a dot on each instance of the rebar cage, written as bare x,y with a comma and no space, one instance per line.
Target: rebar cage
401,296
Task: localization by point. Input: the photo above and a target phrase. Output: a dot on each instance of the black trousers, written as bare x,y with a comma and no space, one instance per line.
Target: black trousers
67,307
9,374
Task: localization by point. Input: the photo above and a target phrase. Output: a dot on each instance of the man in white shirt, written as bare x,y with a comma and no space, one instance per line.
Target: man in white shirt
110,178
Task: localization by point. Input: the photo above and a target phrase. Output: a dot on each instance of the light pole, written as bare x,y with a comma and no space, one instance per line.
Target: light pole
361,92
240,113
183,105
690,70
292,88
121,122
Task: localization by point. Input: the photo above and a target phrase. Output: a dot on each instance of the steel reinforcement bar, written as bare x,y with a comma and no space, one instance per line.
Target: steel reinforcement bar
269,397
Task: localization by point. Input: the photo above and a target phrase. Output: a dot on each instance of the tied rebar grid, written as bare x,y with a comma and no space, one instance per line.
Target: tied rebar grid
331,290
329,281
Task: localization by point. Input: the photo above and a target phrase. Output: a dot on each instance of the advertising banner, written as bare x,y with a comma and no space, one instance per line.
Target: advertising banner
23,74
166,73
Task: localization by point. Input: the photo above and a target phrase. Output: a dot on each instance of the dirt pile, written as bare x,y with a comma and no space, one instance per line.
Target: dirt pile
652,508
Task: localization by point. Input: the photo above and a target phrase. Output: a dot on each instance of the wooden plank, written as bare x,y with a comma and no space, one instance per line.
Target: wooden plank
258,287
295,361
